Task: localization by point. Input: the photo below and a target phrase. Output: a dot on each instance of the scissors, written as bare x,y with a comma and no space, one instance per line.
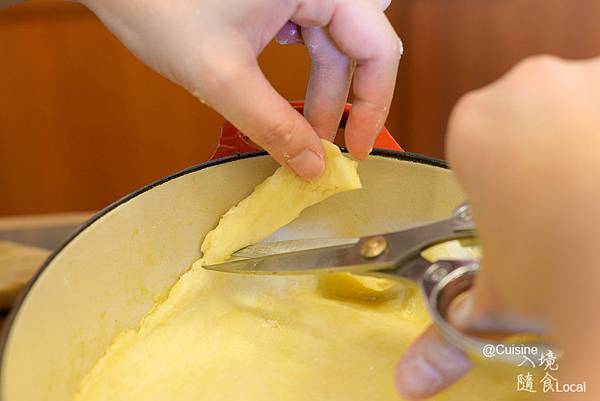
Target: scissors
394,254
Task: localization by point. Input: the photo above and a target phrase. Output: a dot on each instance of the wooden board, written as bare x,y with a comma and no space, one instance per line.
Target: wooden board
25,243
18,263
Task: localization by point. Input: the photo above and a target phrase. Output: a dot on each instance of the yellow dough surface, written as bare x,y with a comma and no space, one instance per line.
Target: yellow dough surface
275,203
227,337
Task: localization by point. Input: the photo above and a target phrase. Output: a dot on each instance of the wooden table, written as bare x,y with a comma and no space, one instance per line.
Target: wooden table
25,243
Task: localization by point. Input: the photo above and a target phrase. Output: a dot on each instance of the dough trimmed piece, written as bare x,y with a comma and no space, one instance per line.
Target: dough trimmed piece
276,202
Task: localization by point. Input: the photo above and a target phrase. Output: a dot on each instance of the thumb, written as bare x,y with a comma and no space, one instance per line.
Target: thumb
242,94
429,366
432,364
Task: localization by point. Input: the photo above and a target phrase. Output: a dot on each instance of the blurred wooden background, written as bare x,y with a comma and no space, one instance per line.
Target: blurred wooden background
82,122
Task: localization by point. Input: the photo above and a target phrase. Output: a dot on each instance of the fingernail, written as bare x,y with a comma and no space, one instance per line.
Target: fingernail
416,377
430,366
364,155
307,164
290,34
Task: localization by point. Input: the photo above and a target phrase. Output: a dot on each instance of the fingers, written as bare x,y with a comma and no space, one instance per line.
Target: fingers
331,72
330,77
363,33
360,31
430,365
239,90
329,82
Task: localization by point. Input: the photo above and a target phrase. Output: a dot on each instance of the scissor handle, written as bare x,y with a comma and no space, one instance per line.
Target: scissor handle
446,280
462,219
443,281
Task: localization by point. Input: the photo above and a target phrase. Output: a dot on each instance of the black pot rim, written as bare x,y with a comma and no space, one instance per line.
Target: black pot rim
8,323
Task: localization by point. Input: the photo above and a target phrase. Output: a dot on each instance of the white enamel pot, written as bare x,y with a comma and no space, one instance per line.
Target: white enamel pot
106,276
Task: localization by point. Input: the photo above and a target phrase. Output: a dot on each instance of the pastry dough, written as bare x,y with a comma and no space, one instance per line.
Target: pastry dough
227,337
275,203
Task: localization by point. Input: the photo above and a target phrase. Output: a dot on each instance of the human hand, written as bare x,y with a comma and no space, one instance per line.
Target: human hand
526,152
210,47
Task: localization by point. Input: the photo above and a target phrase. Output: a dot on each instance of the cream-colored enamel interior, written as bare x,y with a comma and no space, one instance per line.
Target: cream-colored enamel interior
105,280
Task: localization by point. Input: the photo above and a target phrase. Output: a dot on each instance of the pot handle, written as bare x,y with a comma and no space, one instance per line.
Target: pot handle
233,142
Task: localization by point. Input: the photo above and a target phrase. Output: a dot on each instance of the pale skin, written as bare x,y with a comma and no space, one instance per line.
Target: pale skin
210,48
524,149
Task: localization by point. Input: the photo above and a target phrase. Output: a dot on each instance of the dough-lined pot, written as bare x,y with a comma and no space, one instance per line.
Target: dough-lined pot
110,273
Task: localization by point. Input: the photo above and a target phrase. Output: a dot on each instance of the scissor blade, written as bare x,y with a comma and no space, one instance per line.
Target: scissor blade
322,260
278,247
401,247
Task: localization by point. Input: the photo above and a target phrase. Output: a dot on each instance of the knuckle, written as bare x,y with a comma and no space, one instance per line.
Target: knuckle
465,122
206,75
314,13
327,66
467,106
394,48
388,50
278,134
323,52
536,80
398,48
217,78
539,66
